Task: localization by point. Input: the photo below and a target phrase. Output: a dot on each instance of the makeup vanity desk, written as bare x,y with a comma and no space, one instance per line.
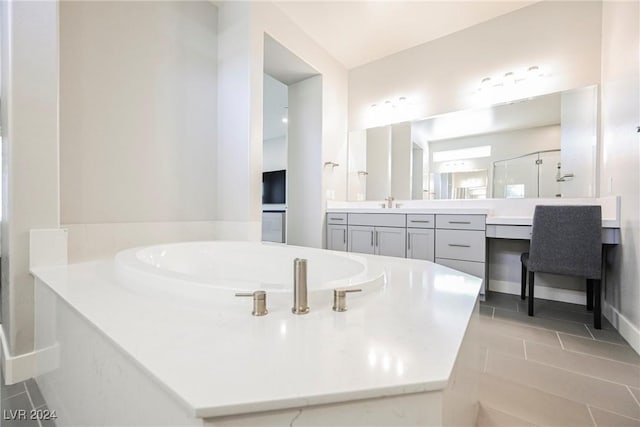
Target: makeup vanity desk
454,233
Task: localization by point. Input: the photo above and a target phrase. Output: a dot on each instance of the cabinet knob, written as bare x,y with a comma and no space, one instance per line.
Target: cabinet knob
340,298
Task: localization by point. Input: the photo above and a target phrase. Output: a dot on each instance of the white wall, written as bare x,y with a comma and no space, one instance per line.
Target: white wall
442,75
304,174
29,106
401,147
620,164
274,154
357,182
138,111
579,141
241,45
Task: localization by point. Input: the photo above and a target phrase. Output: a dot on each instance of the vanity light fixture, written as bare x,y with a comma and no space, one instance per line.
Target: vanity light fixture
511,78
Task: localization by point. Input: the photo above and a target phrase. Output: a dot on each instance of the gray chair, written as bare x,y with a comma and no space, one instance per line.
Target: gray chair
566,240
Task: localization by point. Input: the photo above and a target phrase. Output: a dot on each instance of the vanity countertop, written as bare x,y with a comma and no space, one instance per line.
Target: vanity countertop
220,360
442,211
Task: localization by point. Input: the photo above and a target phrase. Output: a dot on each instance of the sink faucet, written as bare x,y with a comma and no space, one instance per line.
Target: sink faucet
300,304
389,202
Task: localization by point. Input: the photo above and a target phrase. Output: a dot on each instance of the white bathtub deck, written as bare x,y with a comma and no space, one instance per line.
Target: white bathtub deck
218,360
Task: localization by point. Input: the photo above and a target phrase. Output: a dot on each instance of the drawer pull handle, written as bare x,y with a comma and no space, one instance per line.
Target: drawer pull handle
336,219
455,245
459,222
409,241
420,221
344,236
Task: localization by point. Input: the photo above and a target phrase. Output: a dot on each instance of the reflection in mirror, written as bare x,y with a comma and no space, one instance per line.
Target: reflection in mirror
537,147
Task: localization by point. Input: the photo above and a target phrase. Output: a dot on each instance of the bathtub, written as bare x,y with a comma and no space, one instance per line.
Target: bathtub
201,271
156,337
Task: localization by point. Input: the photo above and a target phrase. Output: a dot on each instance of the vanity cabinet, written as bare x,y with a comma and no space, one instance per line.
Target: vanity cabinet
377,234
456,241
461,244
337,232
421,236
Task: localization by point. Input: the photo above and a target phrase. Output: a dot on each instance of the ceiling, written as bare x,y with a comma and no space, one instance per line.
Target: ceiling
283,65
358,32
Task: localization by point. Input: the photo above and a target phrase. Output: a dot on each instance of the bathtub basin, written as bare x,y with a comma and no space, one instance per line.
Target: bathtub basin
204,269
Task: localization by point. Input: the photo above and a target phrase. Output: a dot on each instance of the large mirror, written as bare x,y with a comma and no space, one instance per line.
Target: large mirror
537,147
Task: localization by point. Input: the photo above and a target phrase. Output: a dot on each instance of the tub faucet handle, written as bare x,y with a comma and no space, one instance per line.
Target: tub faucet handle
340,298
300,303
259,301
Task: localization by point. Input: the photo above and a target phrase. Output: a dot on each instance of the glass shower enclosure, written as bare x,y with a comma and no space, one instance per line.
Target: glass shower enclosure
530,176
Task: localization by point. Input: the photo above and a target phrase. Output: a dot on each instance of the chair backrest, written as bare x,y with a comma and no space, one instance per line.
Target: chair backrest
567,240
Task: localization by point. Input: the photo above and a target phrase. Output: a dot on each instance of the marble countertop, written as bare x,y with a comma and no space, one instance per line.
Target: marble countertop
220,360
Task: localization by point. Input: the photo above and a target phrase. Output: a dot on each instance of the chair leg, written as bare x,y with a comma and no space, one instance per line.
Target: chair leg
597,308
531,280
589,294
523,282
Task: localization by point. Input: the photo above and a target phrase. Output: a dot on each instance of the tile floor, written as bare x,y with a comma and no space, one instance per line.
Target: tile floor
554,369
22,396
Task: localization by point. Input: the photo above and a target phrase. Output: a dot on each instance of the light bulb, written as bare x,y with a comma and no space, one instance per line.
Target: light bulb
534,72
509,79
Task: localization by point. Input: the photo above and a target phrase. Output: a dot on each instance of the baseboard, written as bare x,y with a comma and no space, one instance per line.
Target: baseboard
627,329
544,292
20,368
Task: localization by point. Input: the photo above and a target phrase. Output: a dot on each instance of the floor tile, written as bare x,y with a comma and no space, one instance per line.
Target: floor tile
608,419
540,322
503,343
520,331
585,364
46,422
530,404
560,382
10,415
609,335
500,300
8,391
548,312
489,417
486,311
553,306
34,393
621,353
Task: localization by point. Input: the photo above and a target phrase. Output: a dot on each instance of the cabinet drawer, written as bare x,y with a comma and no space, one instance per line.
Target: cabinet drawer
336,218
473,268
378,220
421,221
464,245
461,222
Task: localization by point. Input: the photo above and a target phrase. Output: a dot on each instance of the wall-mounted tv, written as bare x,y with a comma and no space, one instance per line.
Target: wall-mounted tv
274,187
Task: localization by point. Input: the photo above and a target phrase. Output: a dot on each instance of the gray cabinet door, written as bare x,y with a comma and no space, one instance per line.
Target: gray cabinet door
360,239
421,243
390,241
337,237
